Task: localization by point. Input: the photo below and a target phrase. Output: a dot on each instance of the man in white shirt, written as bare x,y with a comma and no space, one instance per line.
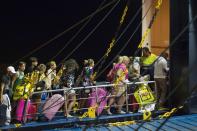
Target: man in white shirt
160,73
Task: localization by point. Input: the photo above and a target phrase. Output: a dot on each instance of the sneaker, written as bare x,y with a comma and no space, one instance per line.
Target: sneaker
68,115
122,112
109,113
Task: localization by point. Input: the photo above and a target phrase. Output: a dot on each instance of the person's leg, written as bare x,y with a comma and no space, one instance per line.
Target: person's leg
71,103
121,102
163,86
1,92
158,90
65,104
111,101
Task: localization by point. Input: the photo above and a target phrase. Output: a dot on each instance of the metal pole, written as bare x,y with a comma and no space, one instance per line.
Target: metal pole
126,95
89,87
96,95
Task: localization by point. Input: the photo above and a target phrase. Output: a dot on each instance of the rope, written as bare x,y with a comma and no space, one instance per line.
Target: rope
113,41
65,31
136,14
126,42
151,22
89,34
168,115
127,28
79,31
92,31
172,43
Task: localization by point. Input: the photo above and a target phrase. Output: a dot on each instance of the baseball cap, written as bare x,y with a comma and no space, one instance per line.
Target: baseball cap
11,69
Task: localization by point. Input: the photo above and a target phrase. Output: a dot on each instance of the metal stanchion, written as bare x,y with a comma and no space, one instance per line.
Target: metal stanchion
96,95
126,95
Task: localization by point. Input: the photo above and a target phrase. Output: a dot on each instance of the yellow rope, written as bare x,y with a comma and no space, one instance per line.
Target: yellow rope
157,7
112,43
124,14
170,113
122,123
121,22
110,47
144,37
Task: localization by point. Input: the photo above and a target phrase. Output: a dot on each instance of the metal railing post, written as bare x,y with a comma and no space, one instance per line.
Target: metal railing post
96,95
126,95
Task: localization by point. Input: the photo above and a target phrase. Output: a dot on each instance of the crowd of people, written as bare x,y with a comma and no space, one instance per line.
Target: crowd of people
21,84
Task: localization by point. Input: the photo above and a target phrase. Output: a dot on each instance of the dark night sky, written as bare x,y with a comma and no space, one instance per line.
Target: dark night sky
27,24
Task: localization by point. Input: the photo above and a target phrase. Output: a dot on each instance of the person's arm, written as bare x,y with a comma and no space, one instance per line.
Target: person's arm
120,75
165,66
1,92
13,80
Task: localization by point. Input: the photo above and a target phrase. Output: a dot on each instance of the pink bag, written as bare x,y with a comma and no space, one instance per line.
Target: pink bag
102,100
52,106
20,108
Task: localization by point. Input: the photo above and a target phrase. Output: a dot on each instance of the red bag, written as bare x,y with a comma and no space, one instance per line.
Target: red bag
31,111
110,75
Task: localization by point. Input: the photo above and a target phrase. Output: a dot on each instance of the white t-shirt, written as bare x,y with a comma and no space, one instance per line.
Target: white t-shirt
50,75
160,68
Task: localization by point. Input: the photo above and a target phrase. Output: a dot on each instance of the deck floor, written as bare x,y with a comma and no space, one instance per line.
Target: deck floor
180,123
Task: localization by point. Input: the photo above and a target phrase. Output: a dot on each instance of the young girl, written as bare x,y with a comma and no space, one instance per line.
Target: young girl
67,82
88,73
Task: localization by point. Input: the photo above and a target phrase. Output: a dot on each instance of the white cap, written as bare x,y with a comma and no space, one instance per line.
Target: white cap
11,69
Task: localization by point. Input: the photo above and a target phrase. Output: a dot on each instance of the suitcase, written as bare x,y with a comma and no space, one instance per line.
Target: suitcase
102,100
52,105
